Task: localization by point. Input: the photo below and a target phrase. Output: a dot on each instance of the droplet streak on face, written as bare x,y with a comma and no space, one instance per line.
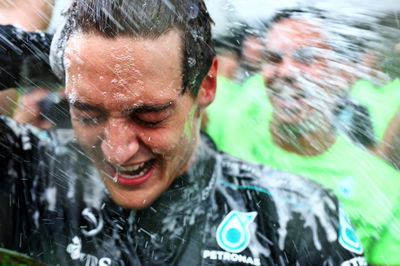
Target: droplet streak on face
310,86
135,72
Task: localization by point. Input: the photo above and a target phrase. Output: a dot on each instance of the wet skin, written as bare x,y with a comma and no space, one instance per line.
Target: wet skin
298,71
129,114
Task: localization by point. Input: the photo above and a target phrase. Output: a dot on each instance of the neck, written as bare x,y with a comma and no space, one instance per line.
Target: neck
305,140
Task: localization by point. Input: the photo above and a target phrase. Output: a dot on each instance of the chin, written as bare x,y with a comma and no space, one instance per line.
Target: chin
131,201
131,198
132,205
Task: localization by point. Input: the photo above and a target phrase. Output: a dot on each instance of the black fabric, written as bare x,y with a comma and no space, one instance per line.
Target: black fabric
296,221
362,130
353,119
16,45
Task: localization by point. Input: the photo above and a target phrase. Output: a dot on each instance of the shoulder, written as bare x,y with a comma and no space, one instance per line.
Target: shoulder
262,175
290,195
16,136
25,141
300,217
259,178
364,164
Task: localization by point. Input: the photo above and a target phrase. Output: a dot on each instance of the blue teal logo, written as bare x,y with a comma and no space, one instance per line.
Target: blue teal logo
347,235
233,233
346,186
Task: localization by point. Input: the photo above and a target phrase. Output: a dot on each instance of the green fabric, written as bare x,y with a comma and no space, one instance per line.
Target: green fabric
229,128
222,107
382,102
367,187
227,91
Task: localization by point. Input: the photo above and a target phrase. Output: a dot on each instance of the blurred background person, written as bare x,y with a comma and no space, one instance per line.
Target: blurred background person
389,148
309,66
38,100
245,42
251,51
228,53
307,75
228,50
379,89
28,110
30,15
390,145
43,102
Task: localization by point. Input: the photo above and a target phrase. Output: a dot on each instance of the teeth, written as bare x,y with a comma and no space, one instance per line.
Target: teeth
132,171
134,176
130,168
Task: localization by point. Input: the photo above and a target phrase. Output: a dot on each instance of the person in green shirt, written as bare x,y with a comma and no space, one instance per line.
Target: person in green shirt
381,97
232,95
306,78
379,91
382,102
234,121
389,149
228,54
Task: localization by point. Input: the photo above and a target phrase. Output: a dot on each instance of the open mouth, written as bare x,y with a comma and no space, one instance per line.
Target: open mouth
134,171
132,175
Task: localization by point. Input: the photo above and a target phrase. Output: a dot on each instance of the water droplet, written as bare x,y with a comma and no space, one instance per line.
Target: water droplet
191,62
193,11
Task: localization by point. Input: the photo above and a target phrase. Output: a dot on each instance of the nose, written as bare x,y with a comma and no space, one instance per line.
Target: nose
120,142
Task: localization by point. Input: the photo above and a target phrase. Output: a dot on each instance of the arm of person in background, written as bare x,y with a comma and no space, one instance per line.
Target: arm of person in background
31,15
8,101
28,110
389,149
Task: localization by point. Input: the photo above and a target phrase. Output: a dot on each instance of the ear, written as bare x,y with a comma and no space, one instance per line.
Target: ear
208,86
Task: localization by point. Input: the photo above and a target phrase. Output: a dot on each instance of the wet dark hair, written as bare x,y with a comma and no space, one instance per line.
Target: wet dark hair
227,43
244,31
144,19
294,12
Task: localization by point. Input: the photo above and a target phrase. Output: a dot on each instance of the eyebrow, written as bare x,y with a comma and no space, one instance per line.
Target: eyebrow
139,108
85,106
150,108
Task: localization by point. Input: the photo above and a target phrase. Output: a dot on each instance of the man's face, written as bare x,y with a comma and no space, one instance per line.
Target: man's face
129,114
300,71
